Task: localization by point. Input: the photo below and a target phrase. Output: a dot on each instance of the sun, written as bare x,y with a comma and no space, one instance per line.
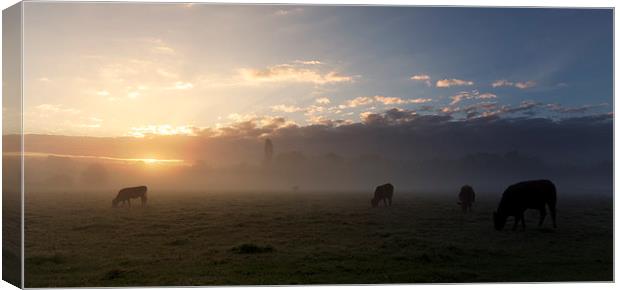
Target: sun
150,161
155,161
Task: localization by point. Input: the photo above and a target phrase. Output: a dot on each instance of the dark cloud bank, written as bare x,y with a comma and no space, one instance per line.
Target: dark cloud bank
418,153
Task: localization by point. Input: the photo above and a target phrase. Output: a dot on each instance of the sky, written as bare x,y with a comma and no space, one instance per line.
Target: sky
119,69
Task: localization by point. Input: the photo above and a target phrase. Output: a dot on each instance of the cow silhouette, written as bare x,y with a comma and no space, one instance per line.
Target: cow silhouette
534,194
383,192
467,196
126,194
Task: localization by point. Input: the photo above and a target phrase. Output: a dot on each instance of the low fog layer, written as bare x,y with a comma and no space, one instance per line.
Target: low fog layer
415,153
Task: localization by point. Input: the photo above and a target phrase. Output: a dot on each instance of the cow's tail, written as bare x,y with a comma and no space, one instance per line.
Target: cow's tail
552,204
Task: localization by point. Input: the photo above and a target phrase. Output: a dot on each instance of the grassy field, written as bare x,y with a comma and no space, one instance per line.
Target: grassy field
303,238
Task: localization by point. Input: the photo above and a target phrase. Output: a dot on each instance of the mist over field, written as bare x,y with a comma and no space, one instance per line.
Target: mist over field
429,154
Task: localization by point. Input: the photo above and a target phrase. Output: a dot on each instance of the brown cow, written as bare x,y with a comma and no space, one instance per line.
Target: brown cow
467,196
383,192
126,194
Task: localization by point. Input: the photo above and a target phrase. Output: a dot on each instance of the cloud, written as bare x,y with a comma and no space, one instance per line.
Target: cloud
121,71
398,101
488,109
485,106
133,95
323,101
390,117
525,85
131,76
486,96
524,106
183,85
502,83
446,83
158,45
474,94
419,100
163,130
426,108
425,78
359,101
308,62
167,74
555,107
324,121
284,12
493,110
389,100
91,123
60,119
520,85
46,109
459,97
365,100
251,126
103,93
163,50
474,110
286,109
292,73
313,109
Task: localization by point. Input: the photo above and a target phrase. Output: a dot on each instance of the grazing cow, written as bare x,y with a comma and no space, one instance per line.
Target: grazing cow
126,194
467,196
535,194
383,192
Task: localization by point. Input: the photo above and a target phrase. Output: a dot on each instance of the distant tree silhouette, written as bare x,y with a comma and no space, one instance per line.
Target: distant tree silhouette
268,152
95,174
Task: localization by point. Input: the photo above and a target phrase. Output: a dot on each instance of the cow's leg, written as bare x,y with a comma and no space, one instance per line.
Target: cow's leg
385,201
552,210
543,213
129,202
514,227
522,217
390,199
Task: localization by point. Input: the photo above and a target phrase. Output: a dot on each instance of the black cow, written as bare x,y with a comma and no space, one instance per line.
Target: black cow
534,194
126,194
467,196
383,192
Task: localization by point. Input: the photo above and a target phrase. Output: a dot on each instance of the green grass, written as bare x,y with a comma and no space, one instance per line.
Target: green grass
296,238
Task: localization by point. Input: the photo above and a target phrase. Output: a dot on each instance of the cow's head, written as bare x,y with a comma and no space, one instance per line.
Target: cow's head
114,202
374,202
499,220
